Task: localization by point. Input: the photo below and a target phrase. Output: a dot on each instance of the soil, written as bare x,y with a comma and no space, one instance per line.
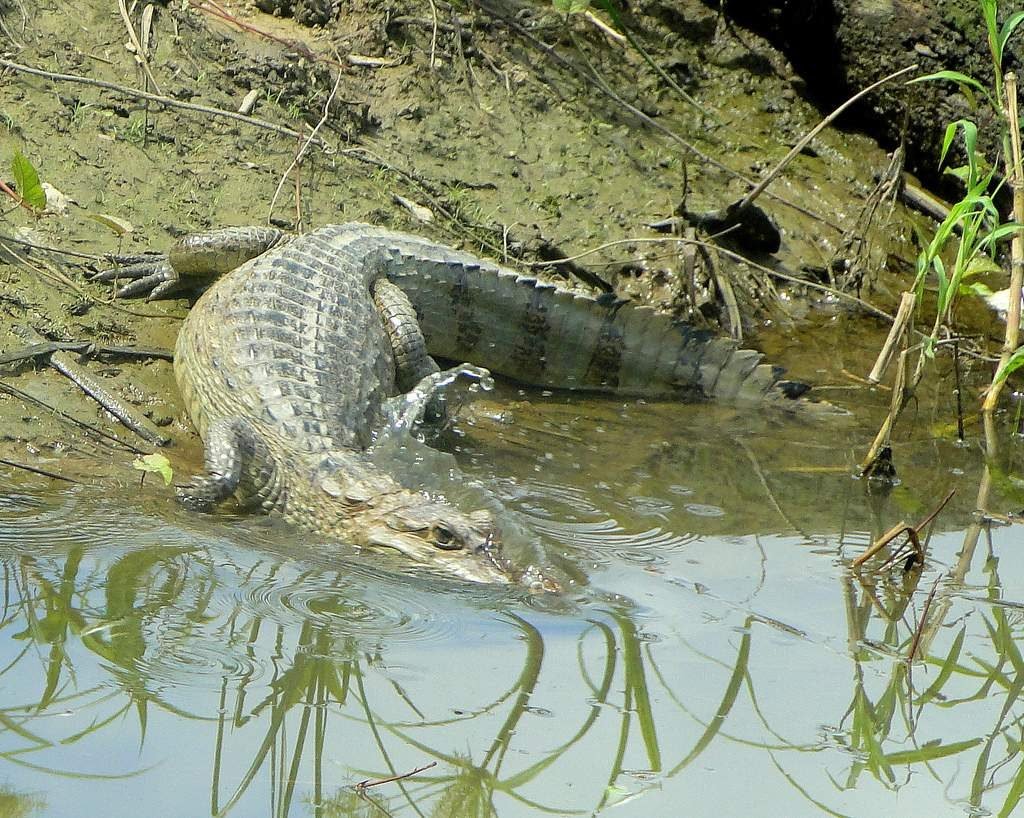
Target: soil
842,46
510,131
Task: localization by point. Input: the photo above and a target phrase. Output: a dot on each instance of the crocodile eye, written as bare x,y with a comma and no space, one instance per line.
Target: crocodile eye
444,537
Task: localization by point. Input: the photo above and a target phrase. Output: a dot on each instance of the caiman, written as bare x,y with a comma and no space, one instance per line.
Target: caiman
286,361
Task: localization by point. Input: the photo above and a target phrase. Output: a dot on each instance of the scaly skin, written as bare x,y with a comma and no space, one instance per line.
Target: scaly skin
285,362
284,365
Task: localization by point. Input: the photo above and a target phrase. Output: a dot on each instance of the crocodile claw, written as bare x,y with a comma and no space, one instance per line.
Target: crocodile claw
150,275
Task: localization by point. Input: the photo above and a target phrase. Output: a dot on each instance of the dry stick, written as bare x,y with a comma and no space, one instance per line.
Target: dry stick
48,271
1015,175
43,472
895,407
86,347
127,416
168,101
899,327
605,29
365,784
300,155
919,630
924,200
34,246
13,391
799,146
140,52
732,307
870,308
44,268
433,36
914,531
84,380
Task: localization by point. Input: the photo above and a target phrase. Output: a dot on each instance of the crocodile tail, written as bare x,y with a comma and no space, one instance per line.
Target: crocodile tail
539,334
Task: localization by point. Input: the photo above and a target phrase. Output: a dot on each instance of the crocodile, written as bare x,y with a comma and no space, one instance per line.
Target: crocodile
286,362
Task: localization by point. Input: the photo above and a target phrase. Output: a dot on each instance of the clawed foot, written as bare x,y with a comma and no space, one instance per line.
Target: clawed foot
150,275
198,494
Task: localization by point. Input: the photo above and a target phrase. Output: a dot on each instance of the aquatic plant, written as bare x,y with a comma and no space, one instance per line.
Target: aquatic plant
972,231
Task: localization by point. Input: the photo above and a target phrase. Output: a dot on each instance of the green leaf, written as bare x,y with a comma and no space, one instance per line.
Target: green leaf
1008,28
26,179
931,751
980,264
955,76
570,6
978,289
1016,362
988,13
157,464
968,85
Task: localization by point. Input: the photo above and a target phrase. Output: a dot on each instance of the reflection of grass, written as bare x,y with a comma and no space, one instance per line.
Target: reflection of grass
55,611
896,715
15,804
326,685
330,690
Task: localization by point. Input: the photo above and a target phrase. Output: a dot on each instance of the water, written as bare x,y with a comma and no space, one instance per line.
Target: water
714,654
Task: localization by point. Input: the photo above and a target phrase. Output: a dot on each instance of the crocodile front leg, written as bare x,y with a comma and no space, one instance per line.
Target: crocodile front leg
237,462
192,263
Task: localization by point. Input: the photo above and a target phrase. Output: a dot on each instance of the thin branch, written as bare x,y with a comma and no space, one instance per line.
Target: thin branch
140,49
365,784
919,631
35,470
13,391
81,347
800,145
724,251
88,383
168,101
300,155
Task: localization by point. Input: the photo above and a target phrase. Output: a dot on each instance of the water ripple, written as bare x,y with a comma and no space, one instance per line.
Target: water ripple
609,536
397,611
177,658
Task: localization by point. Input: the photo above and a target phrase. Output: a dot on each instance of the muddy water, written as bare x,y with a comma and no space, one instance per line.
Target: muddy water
715,652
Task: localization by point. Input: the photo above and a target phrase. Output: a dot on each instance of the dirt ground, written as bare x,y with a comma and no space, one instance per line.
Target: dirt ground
507,130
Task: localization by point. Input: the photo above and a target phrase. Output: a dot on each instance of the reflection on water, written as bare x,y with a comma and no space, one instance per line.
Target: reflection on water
716,657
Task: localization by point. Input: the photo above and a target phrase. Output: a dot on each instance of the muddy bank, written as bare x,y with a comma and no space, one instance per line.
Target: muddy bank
841,46
508,131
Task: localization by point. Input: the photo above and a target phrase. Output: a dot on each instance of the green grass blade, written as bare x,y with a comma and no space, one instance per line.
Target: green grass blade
931,751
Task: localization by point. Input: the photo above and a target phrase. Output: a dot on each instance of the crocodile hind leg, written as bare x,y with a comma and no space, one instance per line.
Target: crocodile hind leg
237,462
193,262
412,361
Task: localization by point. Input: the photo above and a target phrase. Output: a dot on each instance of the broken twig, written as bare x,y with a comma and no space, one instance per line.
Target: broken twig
366,783
913,533
35,470
84,380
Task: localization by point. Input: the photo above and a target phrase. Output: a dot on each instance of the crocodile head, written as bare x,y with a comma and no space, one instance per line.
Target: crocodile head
437,535
370,510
